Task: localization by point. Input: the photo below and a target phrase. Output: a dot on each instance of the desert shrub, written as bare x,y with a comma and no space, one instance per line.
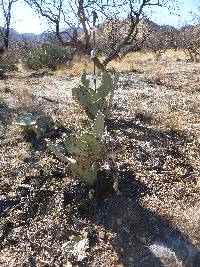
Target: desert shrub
190,42
172,121
8,61
50,56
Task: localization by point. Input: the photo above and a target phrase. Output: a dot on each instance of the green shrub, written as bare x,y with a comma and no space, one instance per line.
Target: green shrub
50,56
8,61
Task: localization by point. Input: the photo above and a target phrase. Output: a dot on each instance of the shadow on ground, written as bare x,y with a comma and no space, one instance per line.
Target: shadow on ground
143,237
166,144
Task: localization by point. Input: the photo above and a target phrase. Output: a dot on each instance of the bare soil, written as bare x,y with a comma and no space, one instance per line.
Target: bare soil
155,221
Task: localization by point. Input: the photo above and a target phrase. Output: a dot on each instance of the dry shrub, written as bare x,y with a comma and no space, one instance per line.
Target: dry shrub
9,61
172,121
158,55
190,42
127,63
77,66
48,55
159,78
25,100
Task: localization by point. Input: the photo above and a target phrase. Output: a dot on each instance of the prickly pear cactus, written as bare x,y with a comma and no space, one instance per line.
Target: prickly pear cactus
85,150
38,125
99,100
27,120
27,123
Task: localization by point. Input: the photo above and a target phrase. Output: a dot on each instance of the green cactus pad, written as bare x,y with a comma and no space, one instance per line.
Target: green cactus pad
94,96
106,86
91,110
98,127
70,144
27,120
94,108
85,145
102,104
87,171
82,95
93,146
84,81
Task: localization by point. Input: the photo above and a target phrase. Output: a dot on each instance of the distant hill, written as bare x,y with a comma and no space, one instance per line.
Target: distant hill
43,37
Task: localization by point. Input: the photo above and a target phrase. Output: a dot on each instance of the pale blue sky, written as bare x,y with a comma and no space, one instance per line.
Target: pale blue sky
26,21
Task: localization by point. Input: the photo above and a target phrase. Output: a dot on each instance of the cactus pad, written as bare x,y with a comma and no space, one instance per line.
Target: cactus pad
98,127
84,81
95,101
27,120
87,171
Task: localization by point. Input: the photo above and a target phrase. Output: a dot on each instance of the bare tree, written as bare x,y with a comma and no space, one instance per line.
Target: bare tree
189,41
121,17
51,10
6,9
189,37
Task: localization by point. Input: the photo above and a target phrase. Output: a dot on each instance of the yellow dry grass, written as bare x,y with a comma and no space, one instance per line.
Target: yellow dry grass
172,120
79,64
134,62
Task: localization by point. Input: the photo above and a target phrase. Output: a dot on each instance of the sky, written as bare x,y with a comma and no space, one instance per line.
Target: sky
26,21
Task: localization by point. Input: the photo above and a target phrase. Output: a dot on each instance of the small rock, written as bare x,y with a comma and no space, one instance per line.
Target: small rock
102,234
77,247
7,90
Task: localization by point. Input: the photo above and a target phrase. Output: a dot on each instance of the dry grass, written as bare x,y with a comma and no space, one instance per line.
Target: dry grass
158,77
79,64
134,62
172,120
24,98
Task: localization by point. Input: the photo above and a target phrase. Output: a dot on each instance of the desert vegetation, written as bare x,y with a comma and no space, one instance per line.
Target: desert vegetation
99,137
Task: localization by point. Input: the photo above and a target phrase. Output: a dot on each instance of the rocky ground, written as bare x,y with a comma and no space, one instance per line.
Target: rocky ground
46,215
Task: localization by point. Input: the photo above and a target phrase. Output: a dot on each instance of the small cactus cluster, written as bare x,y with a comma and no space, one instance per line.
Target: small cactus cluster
85,150
100,100
38,125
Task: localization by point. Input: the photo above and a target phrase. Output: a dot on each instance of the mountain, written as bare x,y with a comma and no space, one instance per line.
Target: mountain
14,35
28,36
43,37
